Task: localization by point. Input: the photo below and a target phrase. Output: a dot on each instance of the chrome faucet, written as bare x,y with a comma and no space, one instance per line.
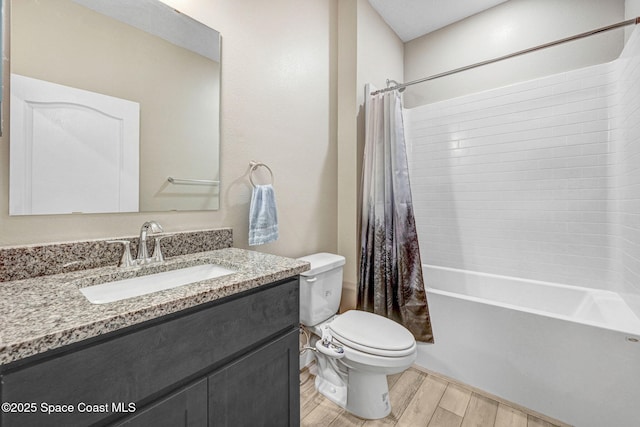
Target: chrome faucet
143,254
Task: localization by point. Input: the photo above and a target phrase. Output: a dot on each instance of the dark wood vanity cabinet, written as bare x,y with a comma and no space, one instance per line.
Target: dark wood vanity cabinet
233,362
185,407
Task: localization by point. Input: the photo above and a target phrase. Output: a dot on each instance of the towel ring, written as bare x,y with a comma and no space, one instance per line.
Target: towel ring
256,165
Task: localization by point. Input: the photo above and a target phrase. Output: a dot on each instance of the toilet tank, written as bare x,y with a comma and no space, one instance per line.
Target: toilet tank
320,288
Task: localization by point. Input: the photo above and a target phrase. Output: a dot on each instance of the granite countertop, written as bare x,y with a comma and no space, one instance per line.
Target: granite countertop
48,312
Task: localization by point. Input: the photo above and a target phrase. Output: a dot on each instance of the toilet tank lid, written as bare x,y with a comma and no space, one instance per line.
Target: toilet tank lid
321,262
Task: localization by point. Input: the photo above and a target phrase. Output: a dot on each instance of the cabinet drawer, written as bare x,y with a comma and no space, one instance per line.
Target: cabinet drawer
149,360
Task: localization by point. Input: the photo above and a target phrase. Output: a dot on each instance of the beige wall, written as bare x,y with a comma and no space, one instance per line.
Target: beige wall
378,56
278,95
380,51
348,176
507,28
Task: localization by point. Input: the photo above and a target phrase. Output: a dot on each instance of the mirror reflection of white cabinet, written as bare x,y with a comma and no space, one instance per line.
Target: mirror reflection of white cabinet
146,52
71,150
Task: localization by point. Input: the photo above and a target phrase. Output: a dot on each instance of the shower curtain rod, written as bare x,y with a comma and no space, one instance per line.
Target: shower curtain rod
633,21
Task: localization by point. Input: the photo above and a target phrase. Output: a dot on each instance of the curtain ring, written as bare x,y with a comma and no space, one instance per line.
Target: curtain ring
256,165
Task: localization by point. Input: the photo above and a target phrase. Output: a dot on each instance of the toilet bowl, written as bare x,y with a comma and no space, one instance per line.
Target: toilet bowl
356,350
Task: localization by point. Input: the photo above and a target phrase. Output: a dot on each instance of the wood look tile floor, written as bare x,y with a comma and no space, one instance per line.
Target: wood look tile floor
420,399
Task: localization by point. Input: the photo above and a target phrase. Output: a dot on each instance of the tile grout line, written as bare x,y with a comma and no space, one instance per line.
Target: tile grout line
439,400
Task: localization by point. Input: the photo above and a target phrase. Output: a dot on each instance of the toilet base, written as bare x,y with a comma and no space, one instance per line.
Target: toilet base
331,381
368,395
335,393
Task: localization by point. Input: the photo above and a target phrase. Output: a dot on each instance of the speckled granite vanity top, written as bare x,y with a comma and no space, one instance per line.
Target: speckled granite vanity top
47,312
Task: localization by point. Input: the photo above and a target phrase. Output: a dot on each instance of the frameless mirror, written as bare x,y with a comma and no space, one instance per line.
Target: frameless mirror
114,108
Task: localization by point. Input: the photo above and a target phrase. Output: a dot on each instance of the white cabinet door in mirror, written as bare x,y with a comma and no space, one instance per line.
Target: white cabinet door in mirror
68,146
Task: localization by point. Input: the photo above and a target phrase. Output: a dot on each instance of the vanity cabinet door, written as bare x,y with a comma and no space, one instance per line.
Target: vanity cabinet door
184,408
259,389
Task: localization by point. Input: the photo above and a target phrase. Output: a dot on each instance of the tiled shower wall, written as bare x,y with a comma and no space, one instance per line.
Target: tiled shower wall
523,180
628,155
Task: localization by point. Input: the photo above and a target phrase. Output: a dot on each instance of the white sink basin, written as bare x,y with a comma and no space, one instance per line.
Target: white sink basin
128,288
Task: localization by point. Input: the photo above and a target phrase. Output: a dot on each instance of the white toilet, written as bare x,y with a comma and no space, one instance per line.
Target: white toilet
355,350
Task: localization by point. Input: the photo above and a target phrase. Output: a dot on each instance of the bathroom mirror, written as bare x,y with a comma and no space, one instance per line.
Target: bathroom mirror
110,99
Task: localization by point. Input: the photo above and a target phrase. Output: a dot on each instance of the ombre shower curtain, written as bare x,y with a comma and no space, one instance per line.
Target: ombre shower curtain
390,281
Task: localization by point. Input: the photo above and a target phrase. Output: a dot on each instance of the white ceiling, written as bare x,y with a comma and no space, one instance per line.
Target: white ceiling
414,18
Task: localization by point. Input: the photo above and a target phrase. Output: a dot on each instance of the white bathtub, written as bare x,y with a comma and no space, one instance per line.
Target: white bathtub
568,352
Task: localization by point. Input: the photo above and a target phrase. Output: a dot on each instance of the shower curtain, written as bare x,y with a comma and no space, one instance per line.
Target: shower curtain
390,280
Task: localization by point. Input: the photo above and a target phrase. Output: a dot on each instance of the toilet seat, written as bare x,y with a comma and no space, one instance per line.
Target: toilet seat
372,334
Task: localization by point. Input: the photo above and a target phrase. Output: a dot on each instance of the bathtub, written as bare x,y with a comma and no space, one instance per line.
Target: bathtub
567,352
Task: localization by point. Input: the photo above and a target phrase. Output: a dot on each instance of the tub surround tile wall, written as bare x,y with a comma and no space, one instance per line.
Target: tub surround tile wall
628,166
23,262
44,313
539,180
514,180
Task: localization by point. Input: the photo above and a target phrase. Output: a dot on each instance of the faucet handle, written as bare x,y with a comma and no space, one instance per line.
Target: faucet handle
126,260
157,251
